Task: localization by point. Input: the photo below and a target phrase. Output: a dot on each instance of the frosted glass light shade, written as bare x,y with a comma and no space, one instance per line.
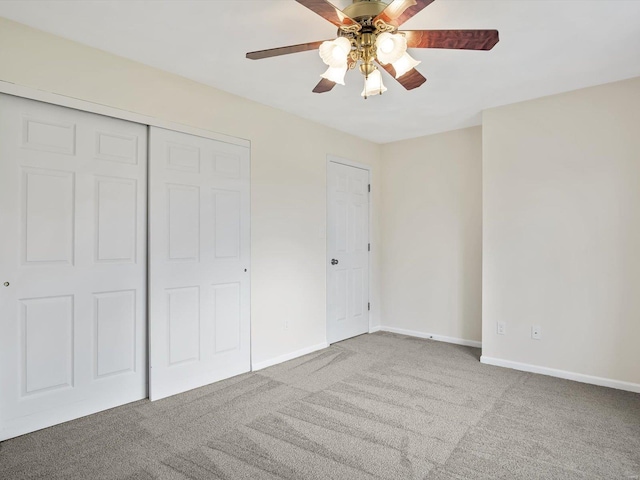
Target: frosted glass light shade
390,47
373,85
335,74
404,64
335,52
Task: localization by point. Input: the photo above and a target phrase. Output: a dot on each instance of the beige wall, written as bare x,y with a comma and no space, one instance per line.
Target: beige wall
432,234
561,184
288,171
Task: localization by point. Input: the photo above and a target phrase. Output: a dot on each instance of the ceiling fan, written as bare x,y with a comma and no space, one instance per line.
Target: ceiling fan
368,34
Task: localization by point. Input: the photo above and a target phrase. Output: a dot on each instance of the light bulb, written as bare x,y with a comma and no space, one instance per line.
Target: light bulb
386,46
390,47
335,74
404,64
373,85
335,52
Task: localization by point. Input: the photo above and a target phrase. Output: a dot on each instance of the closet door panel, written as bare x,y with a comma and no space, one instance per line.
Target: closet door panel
73,259
199,261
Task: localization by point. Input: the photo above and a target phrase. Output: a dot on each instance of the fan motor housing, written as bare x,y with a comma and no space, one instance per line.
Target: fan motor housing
362,9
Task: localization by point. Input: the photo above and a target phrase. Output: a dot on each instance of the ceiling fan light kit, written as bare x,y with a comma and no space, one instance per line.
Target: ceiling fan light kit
368,36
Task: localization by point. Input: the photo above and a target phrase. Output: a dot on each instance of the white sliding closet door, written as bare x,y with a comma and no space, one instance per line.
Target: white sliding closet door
72,264
199,298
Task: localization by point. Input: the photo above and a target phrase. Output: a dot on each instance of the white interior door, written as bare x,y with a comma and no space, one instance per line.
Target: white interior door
199,302
72,264
348,251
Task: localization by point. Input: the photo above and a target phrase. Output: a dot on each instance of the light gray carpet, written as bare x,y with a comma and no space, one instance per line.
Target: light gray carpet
376,406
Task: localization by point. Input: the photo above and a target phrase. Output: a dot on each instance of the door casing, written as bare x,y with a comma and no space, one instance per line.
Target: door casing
343,161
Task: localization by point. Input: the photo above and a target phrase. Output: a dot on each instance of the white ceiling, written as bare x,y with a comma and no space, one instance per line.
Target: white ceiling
545,47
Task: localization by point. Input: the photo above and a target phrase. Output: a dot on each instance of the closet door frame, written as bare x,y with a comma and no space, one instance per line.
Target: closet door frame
31,93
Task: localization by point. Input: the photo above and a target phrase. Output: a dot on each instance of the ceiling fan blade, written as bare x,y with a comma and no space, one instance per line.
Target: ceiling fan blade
455,39
274,52
399,11
328,12
410,80
323,86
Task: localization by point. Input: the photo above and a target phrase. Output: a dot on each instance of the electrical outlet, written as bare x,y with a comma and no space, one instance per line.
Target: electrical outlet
501,328
536,332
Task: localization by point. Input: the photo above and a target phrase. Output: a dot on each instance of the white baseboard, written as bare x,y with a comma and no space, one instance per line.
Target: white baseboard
375,329
552,372
430,336
288,356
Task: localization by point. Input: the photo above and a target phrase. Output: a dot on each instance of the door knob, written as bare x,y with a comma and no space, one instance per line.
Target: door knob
6,284
334,261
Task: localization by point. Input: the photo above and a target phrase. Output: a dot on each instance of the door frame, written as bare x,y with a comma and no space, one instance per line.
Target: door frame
31,93
349,163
